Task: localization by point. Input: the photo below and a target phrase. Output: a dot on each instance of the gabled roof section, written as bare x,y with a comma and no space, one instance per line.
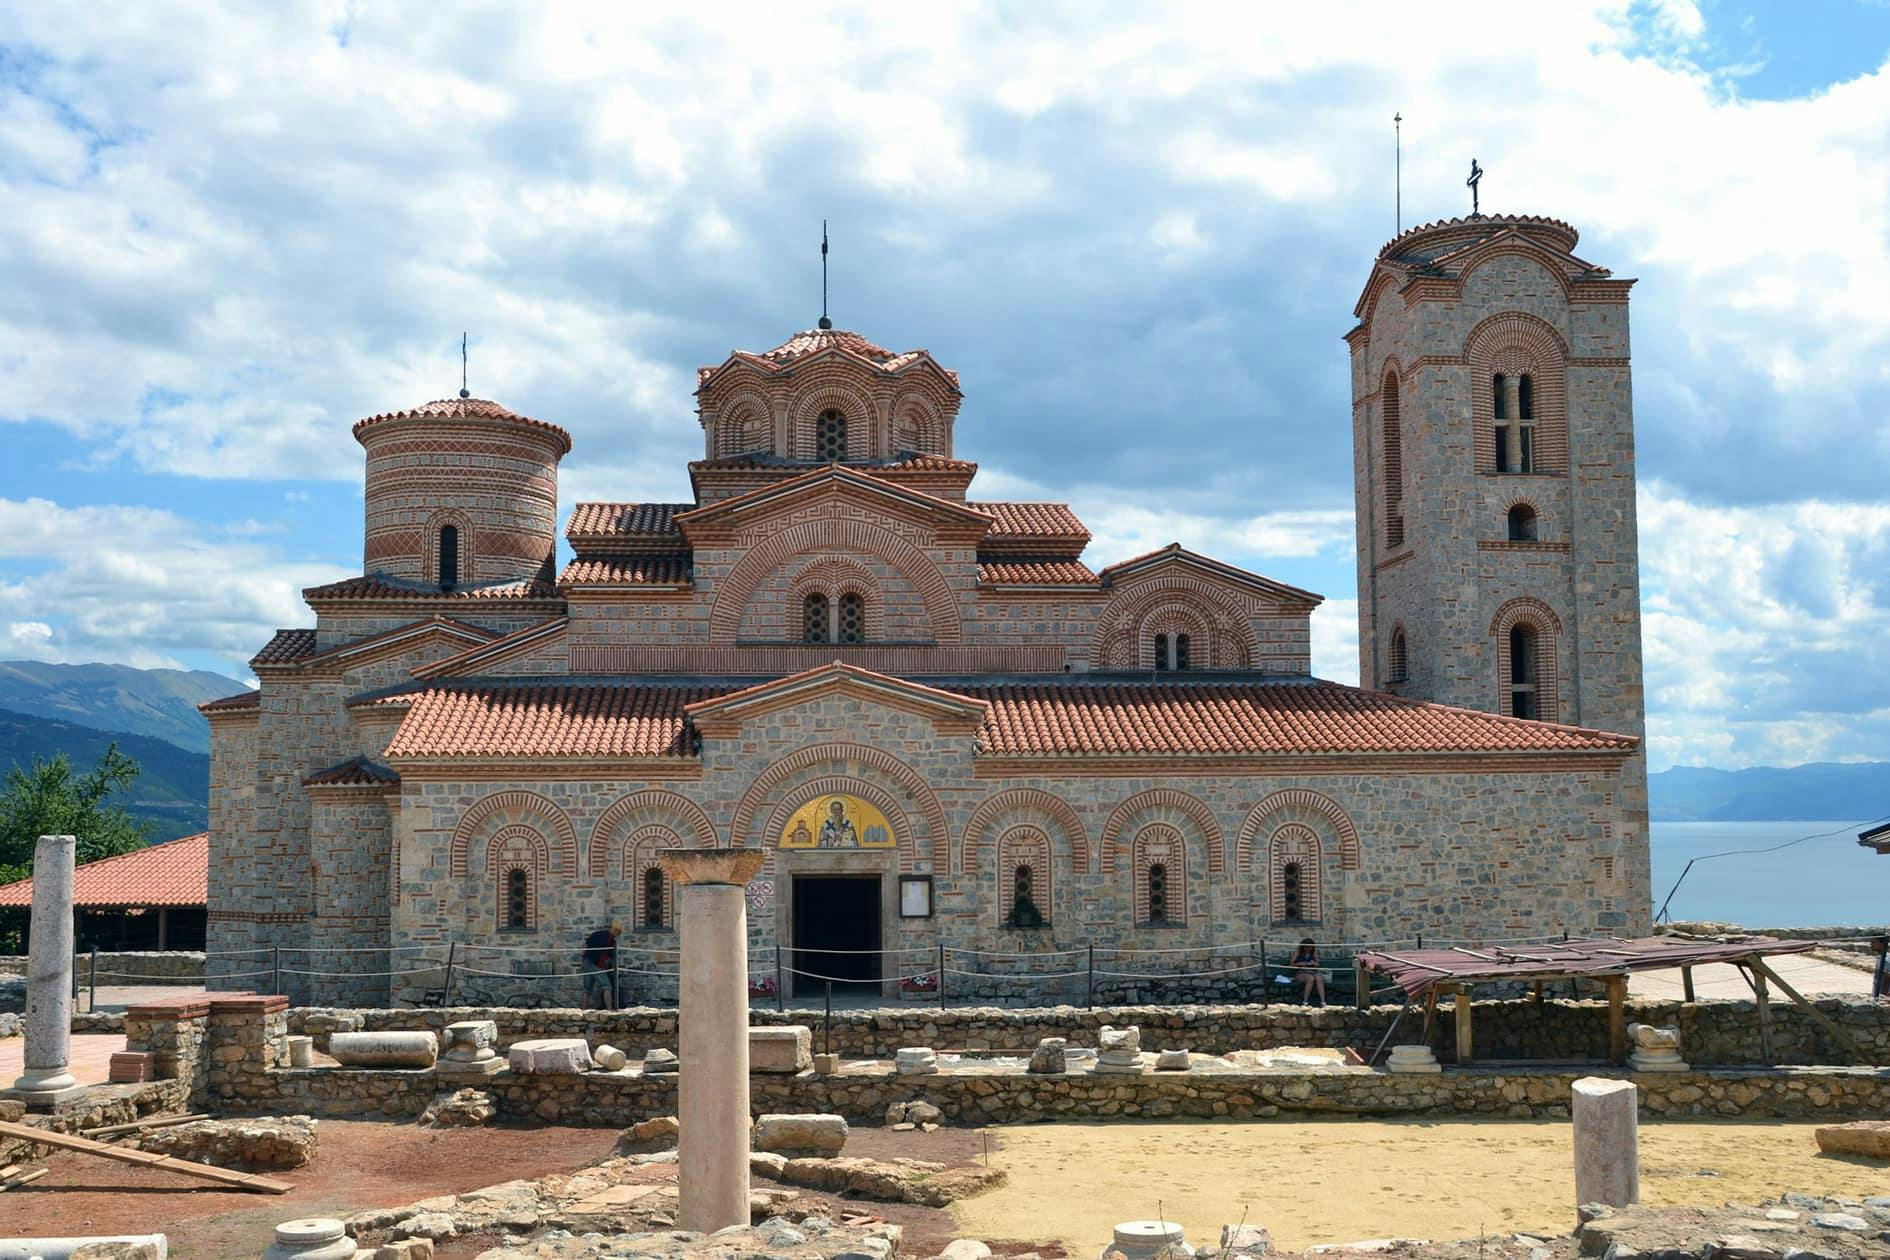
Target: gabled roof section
838,678
829,476
373,647
1008,570
1175,554
1032,528
286,647
814,344
625,526
1877,838
477,409
513,720
242,702
378,588
665,571
505,648
172,874
1444,249
354,772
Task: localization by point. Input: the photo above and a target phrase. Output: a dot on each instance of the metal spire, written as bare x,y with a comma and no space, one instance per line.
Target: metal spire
463,391
1397,125
824,321
1476,177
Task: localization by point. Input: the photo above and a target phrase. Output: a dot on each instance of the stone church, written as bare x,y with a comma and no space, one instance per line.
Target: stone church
945,723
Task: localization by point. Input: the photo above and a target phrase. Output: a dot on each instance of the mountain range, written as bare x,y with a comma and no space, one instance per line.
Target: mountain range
1838,791
160,703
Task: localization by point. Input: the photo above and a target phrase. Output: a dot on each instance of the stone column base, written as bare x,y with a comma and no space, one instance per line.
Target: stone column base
44,1099
468,1071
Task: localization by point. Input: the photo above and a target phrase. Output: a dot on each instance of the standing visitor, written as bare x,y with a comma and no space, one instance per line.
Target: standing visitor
600,969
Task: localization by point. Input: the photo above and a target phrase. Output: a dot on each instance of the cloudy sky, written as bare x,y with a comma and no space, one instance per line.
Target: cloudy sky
1136,230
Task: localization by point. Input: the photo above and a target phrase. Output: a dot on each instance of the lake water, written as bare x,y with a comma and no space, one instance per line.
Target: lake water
1829,881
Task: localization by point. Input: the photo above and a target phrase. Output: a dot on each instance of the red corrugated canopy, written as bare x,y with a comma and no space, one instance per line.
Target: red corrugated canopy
173,874
1415,970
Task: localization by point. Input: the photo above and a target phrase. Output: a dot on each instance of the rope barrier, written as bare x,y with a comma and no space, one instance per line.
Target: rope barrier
998,975
1177,975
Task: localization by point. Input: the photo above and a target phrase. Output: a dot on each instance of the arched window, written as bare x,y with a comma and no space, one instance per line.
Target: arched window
1024,879
1161,651
1398,666
1289,891
1515,423
1502,399
1522,523
653,898
1393,470
814,619
449,556
1181,651
1523,672
852,622
1158,893
830,437
518,899
1025,912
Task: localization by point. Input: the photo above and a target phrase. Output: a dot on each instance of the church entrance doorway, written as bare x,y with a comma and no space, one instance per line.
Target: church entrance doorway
841,913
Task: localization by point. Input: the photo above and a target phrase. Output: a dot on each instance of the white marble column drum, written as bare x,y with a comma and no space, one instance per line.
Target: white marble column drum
712,1149
47,1078
1607,1141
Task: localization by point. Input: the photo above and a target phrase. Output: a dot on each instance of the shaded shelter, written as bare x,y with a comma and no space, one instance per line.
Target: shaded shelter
151,898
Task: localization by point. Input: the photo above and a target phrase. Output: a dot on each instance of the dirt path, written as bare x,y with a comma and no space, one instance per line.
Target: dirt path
358,1164
1339,1181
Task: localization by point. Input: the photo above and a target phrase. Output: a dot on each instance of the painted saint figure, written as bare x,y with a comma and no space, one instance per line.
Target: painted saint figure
837,831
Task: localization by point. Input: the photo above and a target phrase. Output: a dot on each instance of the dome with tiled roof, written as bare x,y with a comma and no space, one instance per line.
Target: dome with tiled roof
1428,241
462,409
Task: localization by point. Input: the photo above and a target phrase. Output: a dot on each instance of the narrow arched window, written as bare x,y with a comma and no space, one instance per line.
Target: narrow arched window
830,437
852,620
1161,651
1181,651
653,898
449,556
814,619
1502,402
1397,668
1522,523
1393,470
1523,672
1526,398
518,898
1158,893
1025,912
1289,890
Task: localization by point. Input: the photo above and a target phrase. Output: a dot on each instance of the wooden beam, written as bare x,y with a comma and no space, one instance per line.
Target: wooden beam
150,1122
1838,1032
150,1159
1686,983
1765,1013
1430,1012
1466,1051
1617,1019
1362,981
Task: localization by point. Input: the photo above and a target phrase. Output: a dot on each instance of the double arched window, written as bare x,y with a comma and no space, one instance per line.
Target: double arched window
1515,411
825,620
1172,651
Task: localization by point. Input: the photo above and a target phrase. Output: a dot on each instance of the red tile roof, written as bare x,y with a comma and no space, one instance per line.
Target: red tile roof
377,586
668,570
464,409
607,520
1029,571
173,874
1220,568
354,772
813,341
250,699
904,463
1032,524
1065,718
286,648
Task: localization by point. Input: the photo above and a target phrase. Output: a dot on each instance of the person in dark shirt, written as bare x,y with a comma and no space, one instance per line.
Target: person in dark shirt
600,960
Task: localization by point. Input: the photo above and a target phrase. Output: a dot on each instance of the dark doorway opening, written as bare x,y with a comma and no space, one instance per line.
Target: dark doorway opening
836,912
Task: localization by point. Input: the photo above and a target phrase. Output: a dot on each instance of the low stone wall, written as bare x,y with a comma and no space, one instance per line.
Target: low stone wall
101,1105
175,966
1713,1033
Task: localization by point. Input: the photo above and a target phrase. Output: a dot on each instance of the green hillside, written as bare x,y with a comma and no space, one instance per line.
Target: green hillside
173,787
160,703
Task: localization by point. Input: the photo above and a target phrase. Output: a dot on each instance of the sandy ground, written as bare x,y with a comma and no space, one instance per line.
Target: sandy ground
1810,976
1339,1181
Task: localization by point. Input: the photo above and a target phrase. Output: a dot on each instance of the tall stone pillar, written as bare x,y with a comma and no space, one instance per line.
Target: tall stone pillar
1607,1141
712,1149
47,1078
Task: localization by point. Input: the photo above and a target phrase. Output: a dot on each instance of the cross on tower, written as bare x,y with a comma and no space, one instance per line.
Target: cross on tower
1476,177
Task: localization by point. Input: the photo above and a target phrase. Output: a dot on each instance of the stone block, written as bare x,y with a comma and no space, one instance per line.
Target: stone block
1245,1240
658,1133
129,1067
660,1062
551,1056
609,1059
1656,1049
1143,1240
1119,1051
1049,1058
1869,1138
311,1238
301,1052
915,1112
471,1041
915,1061
1173,1061
807,1134
384,1049
1607,1141
786,1049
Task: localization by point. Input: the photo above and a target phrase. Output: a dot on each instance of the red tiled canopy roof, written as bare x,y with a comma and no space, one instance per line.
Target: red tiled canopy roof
1065,718
173,874
354,772
1036,527
813,341
251,699
464,409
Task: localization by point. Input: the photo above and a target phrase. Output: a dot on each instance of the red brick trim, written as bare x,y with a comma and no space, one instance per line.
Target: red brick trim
513,807
1298,804
847,758
934,429
1548,627
740,412
516,847
640,809
1295,842
1025,845
836,392
642,850
1163,805
1041,808
1162,843
1122,637
1515,342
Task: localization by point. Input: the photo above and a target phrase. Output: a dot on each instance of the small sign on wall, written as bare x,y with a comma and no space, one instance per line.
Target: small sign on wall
915,896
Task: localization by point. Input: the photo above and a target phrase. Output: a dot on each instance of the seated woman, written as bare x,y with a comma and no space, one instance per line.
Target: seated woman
1305,965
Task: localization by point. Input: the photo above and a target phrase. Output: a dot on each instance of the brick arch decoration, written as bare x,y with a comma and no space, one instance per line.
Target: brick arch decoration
1024,805
1535,509
1172,619
642,850
1159,843
1304,806
430,545
1162,805
1025,845
859,757
640,809
1548,627
834,576
1514,342
1391,448
833,393
743,422
1119,642
846,785
829,534
502,809
513,847
1295,843
915,413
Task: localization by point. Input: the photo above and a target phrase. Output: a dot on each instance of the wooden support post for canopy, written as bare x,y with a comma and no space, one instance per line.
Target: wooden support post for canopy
1430,1012
1466,1053
1686,982
1837,1031
1765,1012
1617,1019
1362,981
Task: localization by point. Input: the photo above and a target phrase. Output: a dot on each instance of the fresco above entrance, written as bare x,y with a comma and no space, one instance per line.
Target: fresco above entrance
837,822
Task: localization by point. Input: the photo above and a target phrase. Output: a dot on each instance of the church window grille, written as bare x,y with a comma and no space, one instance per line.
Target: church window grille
1393,469
1522,523
449,556
1398,668
830,437
1158,893
1161,651
814,619
1289,890
1523,672
1024,860
653,899
1160,863
852,619
518,899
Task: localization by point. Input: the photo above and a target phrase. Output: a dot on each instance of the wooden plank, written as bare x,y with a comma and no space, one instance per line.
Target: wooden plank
25,1178
149,1159
1362,982
152,1122
1430,1013
1837,1031
1765,1013
1466,1053
1686,982
1459,949
1617,1019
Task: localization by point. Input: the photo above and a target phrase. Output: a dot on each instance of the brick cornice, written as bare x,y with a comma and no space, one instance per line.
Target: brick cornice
1600,760
561,769
1498,544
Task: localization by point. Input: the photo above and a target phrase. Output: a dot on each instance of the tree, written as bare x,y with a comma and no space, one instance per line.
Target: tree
47,799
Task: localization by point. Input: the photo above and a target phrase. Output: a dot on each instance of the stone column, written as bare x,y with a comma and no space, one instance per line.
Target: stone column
712,1149
46,1080
1512,408
1607,1142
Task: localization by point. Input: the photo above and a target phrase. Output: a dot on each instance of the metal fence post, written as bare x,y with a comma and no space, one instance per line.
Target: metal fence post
941,975
1092,975
829,1034
446,993
616,975
1266,977
91,1001
780,980
275,968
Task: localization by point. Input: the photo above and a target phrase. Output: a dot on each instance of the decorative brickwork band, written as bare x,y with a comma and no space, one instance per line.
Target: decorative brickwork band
640,809
845,760
1125,633
1033,806
834,394
502,808
1301,805
1163,805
